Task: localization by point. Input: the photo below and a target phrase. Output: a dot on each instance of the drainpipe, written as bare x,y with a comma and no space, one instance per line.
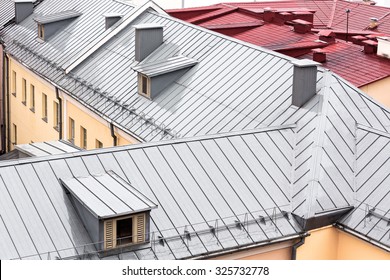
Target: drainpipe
3,91
295,247
115,139
60,114
6,111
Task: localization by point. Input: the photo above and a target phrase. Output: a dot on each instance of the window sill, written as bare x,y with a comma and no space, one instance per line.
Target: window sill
32,110
44,119
24,103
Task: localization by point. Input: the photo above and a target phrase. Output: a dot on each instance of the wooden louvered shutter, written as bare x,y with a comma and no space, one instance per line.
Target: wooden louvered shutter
109,237
141,228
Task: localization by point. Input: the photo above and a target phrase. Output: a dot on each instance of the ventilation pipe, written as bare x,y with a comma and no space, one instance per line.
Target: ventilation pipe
304,81
148,37
23,9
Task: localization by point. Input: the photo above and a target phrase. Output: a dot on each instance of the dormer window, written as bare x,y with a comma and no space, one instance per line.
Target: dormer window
114,213
41,32
50,24
144,85
153,77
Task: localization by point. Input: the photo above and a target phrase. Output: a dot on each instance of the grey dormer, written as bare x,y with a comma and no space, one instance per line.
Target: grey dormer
153,77
111,19
50,24
114,213
23,9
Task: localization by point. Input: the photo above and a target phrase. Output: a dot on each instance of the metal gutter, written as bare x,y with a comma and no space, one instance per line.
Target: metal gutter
362,237
60,114
239,248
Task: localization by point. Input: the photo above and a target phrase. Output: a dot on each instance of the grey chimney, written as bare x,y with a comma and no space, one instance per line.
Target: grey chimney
111,19
304,81
148,37
23,9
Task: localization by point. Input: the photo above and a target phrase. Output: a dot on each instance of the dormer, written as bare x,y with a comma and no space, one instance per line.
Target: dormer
153,77
23,9
111,19
114,213
50,24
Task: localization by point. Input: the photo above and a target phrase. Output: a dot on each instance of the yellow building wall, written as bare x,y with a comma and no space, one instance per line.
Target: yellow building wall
32,128
379,90
330,243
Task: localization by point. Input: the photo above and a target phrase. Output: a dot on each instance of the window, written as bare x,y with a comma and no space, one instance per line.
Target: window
14,137
56,116
71,130
41,31
144,85
125,231
13,85
99,144
83,137
32,98
44,107
24,91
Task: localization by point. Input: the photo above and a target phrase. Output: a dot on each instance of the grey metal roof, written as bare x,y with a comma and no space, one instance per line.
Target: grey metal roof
7,11
64,15
229,183
168,65
235,86
107,195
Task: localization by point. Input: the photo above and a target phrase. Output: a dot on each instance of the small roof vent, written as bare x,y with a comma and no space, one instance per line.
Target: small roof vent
23,9
319,55
373,23
302,26
112,18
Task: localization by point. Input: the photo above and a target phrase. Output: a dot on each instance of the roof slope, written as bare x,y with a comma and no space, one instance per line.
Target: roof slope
196,183
7,11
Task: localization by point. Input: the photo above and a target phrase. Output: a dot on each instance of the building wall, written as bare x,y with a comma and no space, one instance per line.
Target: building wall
32,128
379,90
330,243
30,125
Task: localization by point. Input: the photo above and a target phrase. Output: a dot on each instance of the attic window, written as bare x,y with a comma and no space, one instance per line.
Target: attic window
153,77
41,32
113,211
144,85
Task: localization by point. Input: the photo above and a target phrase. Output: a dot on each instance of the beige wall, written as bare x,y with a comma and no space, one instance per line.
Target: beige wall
379,90
31,127
330,243
278,251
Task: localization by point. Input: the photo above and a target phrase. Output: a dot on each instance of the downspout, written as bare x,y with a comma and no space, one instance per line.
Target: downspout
7,114
115,139
60,114
295,247
3,91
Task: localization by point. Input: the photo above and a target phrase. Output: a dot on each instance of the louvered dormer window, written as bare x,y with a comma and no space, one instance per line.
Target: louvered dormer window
113,211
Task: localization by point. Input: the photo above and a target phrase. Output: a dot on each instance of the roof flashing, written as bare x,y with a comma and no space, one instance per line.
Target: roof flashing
56,17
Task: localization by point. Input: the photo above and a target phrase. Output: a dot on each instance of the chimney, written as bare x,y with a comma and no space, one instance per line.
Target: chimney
111,19
148,37
370,46
304,81
327,36
358,39
302,26
23,9
304,15
268,15
384,47
319,55
282,17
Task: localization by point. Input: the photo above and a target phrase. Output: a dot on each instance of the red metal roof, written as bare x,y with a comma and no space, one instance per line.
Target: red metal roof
351,63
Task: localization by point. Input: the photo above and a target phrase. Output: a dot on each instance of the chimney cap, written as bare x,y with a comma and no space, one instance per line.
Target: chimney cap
148,26
301,21
319,50
24,1
113,15
326,33
370,42
302,63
